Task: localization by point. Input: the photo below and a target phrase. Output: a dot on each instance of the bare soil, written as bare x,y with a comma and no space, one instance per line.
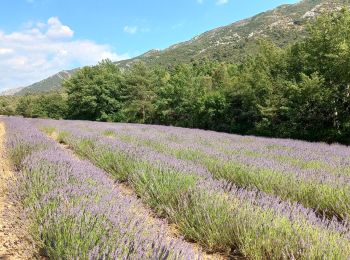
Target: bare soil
15,242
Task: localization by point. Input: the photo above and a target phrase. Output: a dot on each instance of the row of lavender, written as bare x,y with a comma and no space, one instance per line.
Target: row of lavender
333,155
216,214
328,159
327,191
77,212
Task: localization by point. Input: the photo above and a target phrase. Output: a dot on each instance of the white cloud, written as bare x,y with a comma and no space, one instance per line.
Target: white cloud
57,29
4,51
221,2
42,49
130,29
136,29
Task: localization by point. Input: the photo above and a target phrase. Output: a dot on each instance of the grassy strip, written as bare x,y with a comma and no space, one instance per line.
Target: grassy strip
216,219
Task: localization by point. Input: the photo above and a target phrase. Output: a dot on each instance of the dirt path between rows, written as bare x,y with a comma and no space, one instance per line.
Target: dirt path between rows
15,243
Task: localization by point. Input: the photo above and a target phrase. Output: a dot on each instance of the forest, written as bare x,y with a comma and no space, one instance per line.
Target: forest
301,91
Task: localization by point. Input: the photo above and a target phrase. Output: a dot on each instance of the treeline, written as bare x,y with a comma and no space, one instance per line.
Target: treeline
50,105
301,92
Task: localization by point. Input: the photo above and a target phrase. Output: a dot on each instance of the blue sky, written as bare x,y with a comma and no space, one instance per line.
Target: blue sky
41,37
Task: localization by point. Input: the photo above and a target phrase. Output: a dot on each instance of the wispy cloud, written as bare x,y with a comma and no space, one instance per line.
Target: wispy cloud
130,29
135,29
4,51
221,2
200,1
42,49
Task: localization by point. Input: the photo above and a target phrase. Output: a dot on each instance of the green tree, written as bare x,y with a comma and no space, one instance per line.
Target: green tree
95,93
326,51
25,106
139,93
8,105
53,105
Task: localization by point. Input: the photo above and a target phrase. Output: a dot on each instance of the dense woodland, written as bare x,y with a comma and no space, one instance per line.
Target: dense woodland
302,91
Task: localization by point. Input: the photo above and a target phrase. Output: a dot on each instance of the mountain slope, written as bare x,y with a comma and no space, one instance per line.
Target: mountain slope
49,84
11,92
282,25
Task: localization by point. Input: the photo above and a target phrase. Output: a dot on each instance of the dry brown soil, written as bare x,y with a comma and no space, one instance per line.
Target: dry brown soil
15,242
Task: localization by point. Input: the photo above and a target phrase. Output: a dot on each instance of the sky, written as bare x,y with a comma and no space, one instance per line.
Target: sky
39,38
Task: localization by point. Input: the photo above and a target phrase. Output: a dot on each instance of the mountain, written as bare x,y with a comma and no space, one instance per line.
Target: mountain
11,92
282,25
49,84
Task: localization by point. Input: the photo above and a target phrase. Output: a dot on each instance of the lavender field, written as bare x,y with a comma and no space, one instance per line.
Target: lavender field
126,191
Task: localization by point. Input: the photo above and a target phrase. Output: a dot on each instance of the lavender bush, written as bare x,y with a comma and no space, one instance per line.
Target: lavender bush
77,211
327,192
216,214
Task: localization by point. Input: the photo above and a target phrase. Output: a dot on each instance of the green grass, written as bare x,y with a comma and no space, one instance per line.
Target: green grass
48,129
109,133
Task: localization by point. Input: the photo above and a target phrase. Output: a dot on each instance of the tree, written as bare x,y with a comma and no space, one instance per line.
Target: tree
139,93
25,106
8,105
95,93
326,51
52,105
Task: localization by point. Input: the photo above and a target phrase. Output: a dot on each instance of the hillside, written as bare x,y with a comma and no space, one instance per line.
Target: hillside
282,25
49,84
233,42
11,92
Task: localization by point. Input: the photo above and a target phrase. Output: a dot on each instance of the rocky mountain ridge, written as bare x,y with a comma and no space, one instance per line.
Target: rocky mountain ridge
232,43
